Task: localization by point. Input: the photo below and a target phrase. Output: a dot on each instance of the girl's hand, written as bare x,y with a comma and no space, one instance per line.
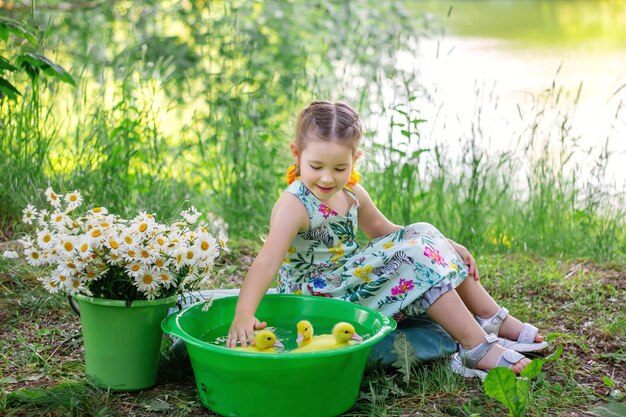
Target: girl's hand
242,329
468,259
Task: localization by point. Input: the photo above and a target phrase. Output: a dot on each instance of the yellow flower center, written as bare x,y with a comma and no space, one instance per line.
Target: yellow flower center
164,277
73,197
135,268
68,246
190,254
114,244
131,253
62,278
145,254
75,284
47,238
71,265
143,227
205,245
147,279
105,225
161,241
128,240
159,263
58,218
91,274
84,247
97,210
53,196
34,255
96,233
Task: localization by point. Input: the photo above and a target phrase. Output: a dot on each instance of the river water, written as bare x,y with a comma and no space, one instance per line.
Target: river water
507,57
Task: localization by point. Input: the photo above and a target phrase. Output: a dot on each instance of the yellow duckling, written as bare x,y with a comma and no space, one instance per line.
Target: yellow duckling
305,333
343,334
264,342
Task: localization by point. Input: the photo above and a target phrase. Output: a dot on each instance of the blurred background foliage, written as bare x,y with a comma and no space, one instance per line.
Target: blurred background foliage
180,103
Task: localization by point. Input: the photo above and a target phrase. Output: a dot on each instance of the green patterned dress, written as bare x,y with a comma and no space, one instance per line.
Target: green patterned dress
400,274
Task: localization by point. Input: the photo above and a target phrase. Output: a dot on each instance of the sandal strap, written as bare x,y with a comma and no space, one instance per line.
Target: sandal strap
527,334
471,357
493,324
509,358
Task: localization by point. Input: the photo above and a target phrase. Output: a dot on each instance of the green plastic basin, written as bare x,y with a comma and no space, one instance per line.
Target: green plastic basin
244,384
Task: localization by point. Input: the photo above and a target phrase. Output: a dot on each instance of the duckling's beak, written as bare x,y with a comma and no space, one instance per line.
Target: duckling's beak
357,337
300,338
277,344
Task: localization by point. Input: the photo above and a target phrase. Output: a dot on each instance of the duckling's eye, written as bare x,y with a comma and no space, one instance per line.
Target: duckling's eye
269,338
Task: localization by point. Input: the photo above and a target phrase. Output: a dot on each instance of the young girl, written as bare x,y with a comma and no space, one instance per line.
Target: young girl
404,271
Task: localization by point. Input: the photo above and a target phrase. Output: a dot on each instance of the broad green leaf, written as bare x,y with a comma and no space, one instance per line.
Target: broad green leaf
533,369
7,89
405,356
13,26
501,384
32,62
609,410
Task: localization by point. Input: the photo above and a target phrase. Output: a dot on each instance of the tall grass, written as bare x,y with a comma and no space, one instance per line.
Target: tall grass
195,103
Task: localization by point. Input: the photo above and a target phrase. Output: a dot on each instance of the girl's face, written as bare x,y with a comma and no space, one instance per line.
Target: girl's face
325,166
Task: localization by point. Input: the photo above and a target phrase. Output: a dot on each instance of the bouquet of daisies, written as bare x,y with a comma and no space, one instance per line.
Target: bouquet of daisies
96,253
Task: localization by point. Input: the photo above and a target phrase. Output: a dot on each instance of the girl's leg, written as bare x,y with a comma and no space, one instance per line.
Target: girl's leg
450,312
480,303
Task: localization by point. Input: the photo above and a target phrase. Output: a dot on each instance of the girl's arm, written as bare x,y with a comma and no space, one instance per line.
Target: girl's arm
371,220
288,217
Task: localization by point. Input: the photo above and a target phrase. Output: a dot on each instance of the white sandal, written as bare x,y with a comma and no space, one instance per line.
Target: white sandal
465,362
525,341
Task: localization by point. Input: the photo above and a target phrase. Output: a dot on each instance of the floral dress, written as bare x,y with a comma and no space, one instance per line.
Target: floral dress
400,274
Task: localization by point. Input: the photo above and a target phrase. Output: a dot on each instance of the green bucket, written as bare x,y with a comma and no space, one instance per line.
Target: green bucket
243,384
122,343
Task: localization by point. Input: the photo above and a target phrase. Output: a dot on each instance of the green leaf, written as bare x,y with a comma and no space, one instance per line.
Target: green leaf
32,63
608,381
502,384
533,368
7,89
609,410
13,26
157,404
405,356
6,65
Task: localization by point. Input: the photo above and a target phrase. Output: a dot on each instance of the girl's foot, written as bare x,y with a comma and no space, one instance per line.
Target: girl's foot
514,334
477,361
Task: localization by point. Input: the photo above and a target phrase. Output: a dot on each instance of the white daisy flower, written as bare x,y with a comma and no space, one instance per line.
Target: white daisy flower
61,221
44,218
10,254
49,284
134,269
143,223
74,200
206,245
77,286
29,213
67,246
148,281
99,210
34,256
60,279
45,239
165,277
85,246
191,215
91,271
191,255
223,239
53,198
